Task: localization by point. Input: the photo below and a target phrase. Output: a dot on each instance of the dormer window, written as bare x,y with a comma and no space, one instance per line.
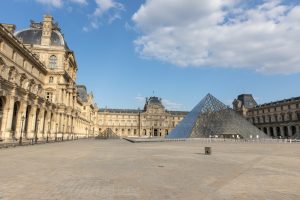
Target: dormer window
52,62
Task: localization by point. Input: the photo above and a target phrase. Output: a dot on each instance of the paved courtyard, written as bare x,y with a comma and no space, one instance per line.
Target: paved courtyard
89,169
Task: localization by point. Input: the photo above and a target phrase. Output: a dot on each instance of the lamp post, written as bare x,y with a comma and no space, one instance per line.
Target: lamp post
37,130
56,133
21,135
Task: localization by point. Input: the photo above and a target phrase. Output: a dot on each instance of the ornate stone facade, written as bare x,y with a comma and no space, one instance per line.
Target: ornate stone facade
38,91
152,121
280,119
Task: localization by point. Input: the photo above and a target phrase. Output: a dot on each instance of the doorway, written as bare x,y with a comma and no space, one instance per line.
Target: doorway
155,132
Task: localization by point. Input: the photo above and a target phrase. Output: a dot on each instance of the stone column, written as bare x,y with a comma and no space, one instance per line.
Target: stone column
56,127
275,132
52,124
69,98
63,125
7,118
72,130
61,96
41,125
66,97
59,124
298,131
268,131
289,131
21,113
31,122
281,131
68,126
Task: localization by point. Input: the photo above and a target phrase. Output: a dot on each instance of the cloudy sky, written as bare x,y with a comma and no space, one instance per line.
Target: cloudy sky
180,50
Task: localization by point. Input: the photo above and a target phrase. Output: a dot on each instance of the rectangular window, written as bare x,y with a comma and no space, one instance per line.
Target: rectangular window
51,79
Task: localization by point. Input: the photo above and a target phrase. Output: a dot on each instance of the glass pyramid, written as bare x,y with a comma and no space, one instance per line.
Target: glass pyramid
212,118
107,134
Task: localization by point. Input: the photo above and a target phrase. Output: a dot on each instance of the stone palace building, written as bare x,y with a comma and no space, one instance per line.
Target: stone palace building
152,121
41,101
279,119
38,92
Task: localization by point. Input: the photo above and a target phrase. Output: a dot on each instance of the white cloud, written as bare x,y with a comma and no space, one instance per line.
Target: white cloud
104,6
59,3
83,2
107,11
54,3
221,33
104,11
171,105
85,29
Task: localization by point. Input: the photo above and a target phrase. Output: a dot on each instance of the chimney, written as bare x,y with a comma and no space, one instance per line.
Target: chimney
10,27
47,30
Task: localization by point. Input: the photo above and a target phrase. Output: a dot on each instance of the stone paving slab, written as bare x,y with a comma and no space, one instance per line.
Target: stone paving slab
117,169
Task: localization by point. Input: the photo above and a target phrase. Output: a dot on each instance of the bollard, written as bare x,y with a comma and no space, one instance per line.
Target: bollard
207,150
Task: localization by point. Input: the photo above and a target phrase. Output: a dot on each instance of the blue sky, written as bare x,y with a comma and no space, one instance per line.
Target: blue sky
180,49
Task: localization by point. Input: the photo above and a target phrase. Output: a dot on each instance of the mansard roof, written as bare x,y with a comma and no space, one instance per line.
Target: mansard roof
279,102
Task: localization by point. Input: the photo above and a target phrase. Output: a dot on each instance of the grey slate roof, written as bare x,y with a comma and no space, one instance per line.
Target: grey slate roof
82,93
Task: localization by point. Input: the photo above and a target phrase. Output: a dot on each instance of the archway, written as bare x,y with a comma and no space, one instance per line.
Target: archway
2,103
15,118
155,132
166,132
271,132
294,130
278,132
285,132
28,109
265,130
145,132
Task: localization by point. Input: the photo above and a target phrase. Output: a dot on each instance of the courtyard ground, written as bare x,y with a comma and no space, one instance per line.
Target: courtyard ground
117,169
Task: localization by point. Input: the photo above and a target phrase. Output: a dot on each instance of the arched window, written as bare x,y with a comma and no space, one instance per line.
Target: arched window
52,62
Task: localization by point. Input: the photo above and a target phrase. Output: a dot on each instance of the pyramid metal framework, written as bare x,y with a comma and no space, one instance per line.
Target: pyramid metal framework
212,118
107,134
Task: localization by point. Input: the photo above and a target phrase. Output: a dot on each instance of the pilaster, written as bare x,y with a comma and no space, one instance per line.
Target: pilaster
41,125
32,122
268,131
281,131
275,131
7,118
